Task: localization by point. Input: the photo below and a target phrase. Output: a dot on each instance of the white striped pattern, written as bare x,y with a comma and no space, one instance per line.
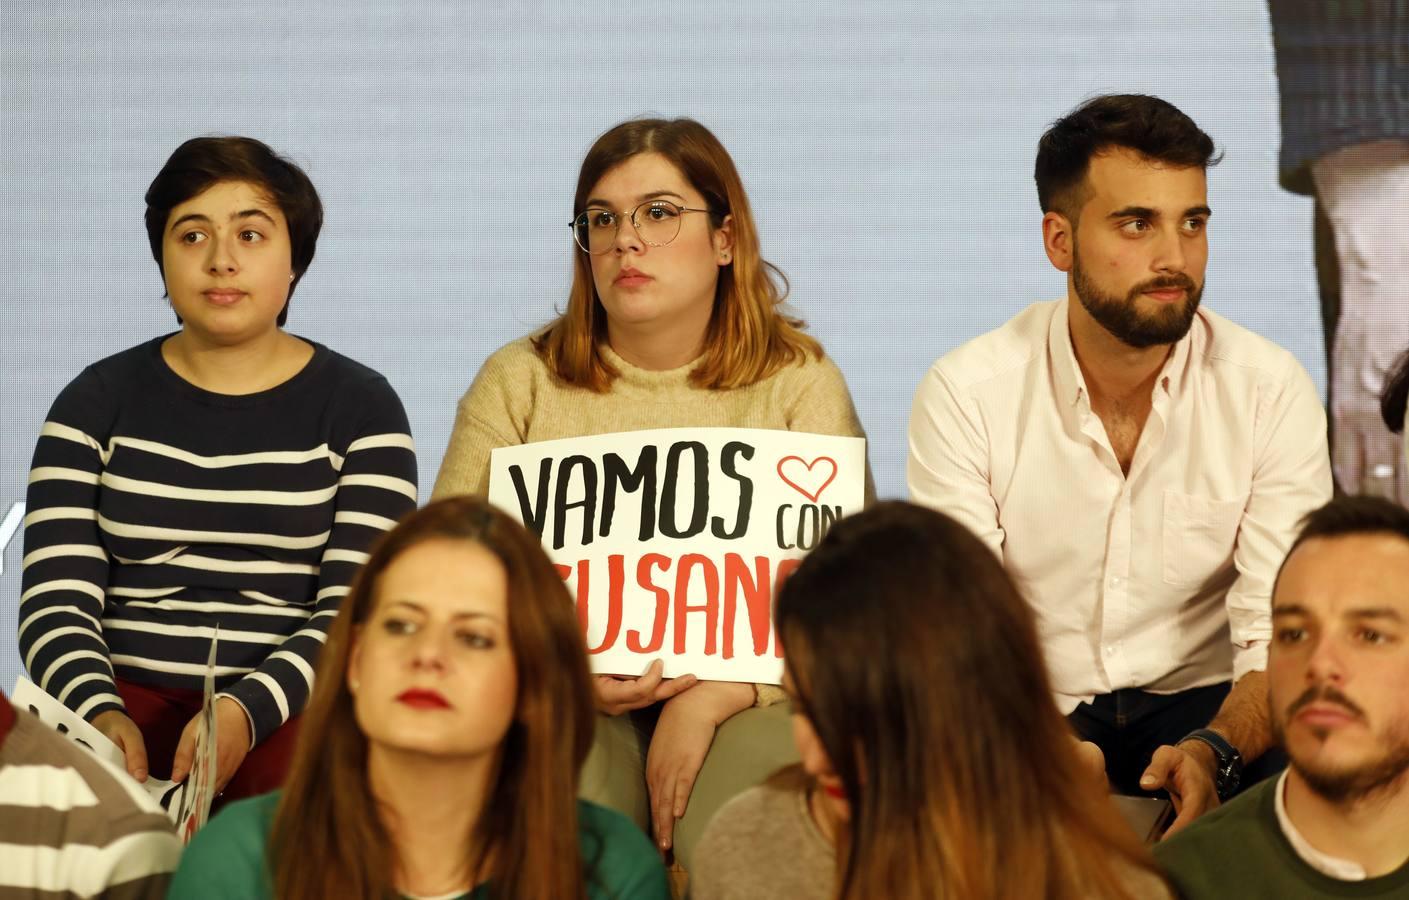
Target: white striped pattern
71,656
96,701
142,592
45,787
152,560
197,631
49,635
213,606
85,871
69,433
82,679
352,556
298,662
48,610
385,482
262,597
156,533
252,567
265,498
60,512
352,517
88,551
175,668
59,473
275,691
64,584
375,441
229,460
336,590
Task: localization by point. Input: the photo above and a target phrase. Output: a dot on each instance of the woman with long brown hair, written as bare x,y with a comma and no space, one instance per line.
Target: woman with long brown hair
934,762
451,716
674,320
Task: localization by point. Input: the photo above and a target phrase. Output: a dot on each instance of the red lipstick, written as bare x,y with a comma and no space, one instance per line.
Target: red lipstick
422,698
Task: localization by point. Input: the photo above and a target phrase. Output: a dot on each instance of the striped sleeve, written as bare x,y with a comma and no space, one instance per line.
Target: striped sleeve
65,566
71,825
376,487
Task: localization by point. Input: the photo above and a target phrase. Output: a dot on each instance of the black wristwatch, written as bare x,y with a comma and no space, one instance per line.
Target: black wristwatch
1229,772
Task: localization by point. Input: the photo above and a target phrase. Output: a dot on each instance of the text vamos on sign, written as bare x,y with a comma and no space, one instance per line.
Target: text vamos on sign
674,540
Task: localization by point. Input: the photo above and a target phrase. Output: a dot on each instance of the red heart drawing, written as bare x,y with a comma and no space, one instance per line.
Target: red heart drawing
803,472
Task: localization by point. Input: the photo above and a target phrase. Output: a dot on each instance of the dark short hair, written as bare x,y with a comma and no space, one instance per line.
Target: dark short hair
1350,515
201,162
1148,125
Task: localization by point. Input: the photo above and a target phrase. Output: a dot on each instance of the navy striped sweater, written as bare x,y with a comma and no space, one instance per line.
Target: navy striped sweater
157,510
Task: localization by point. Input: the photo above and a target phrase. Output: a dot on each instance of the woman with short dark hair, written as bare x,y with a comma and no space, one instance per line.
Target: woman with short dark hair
229,474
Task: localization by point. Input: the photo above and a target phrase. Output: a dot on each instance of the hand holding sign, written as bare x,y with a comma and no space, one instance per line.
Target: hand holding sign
119,728
231,747
617,694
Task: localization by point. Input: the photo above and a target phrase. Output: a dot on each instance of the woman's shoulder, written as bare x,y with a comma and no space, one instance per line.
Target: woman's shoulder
767,807
348,372
619,858
91,400
811,369
516,359
612,829
230,851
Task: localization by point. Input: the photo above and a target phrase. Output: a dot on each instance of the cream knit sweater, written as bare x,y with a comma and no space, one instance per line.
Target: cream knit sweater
515,399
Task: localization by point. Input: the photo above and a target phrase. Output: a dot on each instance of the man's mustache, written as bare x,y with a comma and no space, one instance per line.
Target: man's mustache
1164,282
1325,694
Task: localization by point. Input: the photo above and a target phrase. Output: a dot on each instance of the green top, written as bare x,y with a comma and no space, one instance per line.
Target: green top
1239,850
226,860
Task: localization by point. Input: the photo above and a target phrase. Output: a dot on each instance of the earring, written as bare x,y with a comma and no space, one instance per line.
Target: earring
291,277
353,683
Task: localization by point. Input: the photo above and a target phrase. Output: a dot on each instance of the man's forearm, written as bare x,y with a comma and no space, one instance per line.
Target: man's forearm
1243,718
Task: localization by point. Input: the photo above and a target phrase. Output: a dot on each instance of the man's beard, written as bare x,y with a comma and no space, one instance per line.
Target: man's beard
1346,785
1122,317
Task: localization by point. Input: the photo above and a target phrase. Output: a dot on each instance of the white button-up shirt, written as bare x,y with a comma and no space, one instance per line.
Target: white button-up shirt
1160,579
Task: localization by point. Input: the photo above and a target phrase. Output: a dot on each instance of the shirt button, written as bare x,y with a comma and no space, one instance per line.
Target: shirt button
1115,581
1110,651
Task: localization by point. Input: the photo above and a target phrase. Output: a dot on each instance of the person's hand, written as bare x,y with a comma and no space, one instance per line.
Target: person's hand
119,728
616,695
1092,760
1366,456
1186,771
678,748
232,743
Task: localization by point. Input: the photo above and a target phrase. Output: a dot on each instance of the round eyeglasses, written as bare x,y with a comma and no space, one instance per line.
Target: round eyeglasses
656,221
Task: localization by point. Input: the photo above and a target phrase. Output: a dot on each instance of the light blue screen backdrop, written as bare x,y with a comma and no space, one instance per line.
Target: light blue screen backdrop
887,149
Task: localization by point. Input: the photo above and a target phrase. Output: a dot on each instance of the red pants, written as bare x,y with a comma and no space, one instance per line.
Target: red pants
161,714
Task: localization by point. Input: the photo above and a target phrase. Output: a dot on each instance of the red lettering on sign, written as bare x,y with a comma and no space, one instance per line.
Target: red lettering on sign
683,606
757,597
643,578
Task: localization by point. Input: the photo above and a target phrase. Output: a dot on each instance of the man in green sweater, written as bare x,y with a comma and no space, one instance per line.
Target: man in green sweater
1336,823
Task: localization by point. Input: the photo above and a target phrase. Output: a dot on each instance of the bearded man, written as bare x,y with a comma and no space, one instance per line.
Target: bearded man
1138,462
1336,823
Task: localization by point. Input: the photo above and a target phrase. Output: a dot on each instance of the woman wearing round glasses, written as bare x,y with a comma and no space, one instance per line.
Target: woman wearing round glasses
673,320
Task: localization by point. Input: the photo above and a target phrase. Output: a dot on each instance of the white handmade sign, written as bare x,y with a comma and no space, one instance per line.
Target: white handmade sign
674,540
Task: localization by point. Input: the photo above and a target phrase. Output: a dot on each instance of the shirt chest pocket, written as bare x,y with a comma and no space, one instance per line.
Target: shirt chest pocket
1199,534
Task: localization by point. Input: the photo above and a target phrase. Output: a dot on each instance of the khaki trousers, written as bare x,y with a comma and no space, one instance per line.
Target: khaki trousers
747,748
